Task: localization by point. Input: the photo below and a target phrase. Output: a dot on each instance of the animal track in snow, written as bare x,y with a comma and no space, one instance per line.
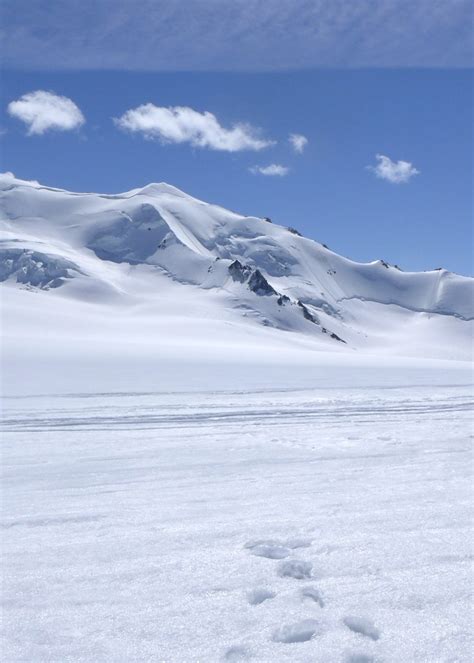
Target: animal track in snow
295,568
363,626
236,653
259,595
313,594
299,632
270,549
273,549
298,569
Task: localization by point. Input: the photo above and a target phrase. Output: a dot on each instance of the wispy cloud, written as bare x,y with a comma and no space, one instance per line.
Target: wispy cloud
298,142
274,169
396,172
45,111
242,35
181,124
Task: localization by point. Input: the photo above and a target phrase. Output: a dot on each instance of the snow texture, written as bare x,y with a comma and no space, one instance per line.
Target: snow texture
125,518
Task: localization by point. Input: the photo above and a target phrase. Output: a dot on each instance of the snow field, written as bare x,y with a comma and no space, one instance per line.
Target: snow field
300,525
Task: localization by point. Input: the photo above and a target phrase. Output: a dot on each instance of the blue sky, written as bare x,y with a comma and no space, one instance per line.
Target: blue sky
416,109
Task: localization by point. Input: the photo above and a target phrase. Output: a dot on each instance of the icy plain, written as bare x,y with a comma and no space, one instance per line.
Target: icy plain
314,524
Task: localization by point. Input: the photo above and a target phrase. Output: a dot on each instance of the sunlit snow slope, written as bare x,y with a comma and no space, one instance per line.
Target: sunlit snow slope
163,269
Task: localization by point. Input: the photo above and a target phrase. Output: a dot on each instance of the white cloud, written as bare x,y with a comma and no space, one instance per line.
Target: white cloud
298,142
181,124
396,172
272,169
241,35
45,111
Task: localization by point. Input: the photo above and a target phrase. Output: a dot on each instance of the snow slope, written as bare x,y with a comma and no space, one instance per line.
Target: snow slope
199,275
224,442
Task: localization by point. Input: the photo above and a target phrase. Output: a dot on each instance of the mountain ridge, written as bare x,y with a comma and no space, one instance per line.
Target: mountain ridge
112,247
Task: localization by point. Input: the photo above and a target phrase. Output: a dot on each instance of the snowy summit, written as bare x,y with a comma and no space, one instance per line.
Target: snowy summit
209,276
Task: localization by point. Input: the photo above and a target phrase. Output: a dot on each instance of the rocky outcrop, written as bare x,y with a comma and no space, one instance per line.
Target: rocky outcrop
307,313
332,335
254,278
259,284
313,318
294,231
239,272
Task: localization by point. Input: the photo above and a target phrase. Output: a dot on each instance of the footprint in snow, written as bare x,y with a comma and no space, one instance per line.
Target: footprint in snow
259,595
269,549
299,632
295,568
272,549
363,626
236,653
312,594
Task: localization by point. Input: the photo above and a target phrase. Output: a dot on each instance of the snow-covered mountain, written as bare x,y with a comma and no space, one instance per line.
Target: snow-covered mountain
201,417
156,262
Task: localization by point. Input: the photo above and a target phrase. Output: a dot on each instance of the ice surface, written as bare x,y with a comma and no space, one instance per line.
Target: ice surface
125,519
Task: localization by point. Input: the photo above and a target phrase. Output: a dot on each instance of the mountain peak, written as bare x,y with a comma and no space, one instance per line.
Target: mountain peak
157,189
155,240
